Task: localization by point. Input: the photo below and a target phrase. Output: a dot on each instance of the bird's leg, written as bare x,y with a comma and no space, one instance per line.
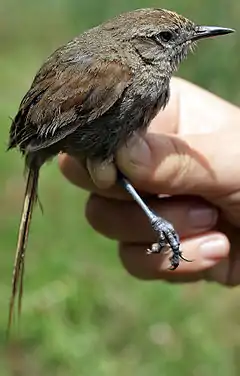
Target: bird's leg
165,231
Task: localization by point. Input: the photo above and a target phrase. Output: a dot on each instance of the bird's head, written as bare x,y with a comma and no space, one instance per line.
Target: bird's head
161,37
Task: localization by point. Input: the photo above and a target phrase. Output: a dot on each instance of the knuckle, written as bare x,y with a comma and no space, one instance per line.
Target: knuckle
175,166
183,163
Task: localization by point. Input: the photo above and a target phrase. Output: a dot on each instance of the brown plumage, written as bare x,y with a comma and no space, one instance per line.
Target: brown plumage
89,98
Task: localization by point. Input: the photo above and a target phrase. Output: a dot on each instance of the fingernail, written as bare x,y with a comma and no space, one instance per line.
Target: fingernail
202,217
214,248
102,174
139,151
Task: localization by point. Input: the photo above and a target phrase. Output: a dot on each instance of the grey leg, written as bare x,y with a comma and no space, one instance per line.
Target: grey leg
165,232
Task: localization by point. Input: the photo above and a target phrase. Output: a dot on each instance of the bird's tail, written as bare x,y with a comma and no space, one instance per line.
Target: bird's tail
30,198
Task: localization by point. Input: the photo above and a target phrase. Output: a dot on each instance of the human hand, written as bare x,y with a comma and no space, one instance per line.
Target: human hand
191,152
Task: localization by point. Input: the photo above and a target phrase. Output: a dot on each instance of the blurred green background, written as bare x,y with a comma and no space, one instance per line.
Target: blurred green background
82,314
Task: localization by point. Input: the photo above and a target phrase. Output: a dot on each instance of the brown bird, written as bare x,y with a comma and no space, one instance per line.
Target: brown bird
91,96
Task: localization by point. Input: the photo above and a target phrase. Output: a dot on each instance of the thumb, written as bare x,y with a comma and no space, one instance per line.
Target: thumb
194,164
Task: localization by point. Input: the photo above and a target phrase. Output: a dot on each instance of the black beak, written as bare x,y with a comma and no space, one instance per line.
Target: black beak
210,31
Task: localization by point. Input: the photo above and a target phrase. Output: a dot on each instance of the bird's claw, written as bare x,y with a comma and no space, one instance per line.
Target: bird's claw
167,236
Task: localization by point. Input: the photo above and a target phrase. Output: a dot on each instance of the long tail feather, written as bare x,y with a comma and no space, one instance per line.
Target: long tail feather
30,198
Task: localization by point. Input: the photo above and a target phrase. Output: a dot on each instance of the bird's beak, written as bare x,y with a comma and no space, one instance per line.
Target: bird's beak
203,32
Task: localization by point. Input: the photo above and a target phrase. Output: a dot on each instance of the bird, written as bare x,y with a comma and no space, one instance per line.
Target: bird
91,96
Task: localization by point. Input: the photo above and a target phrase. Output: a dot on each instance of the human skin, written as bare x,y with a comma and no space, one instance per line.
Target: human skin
190,153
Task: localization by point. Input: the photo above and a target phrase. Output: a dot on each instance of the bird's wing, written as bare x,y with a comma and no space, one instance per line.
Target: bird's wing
63,96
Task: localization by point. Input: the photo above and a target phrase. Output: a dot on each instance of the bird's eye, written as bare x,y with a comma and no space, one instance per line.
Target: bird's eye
165,36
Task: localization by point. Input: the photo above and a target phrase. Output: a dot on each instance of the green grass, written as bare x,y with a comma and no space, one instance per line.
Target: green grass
82,314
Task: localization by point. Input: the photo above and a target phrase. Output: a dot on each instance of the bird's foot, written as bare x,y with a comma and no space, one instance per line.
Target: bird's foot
167,236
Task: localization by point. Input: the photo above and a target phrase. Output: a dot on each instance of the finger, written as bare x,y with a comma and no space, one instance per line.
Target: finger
103,174
195,164
228,271
205,251
126,222
78,175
